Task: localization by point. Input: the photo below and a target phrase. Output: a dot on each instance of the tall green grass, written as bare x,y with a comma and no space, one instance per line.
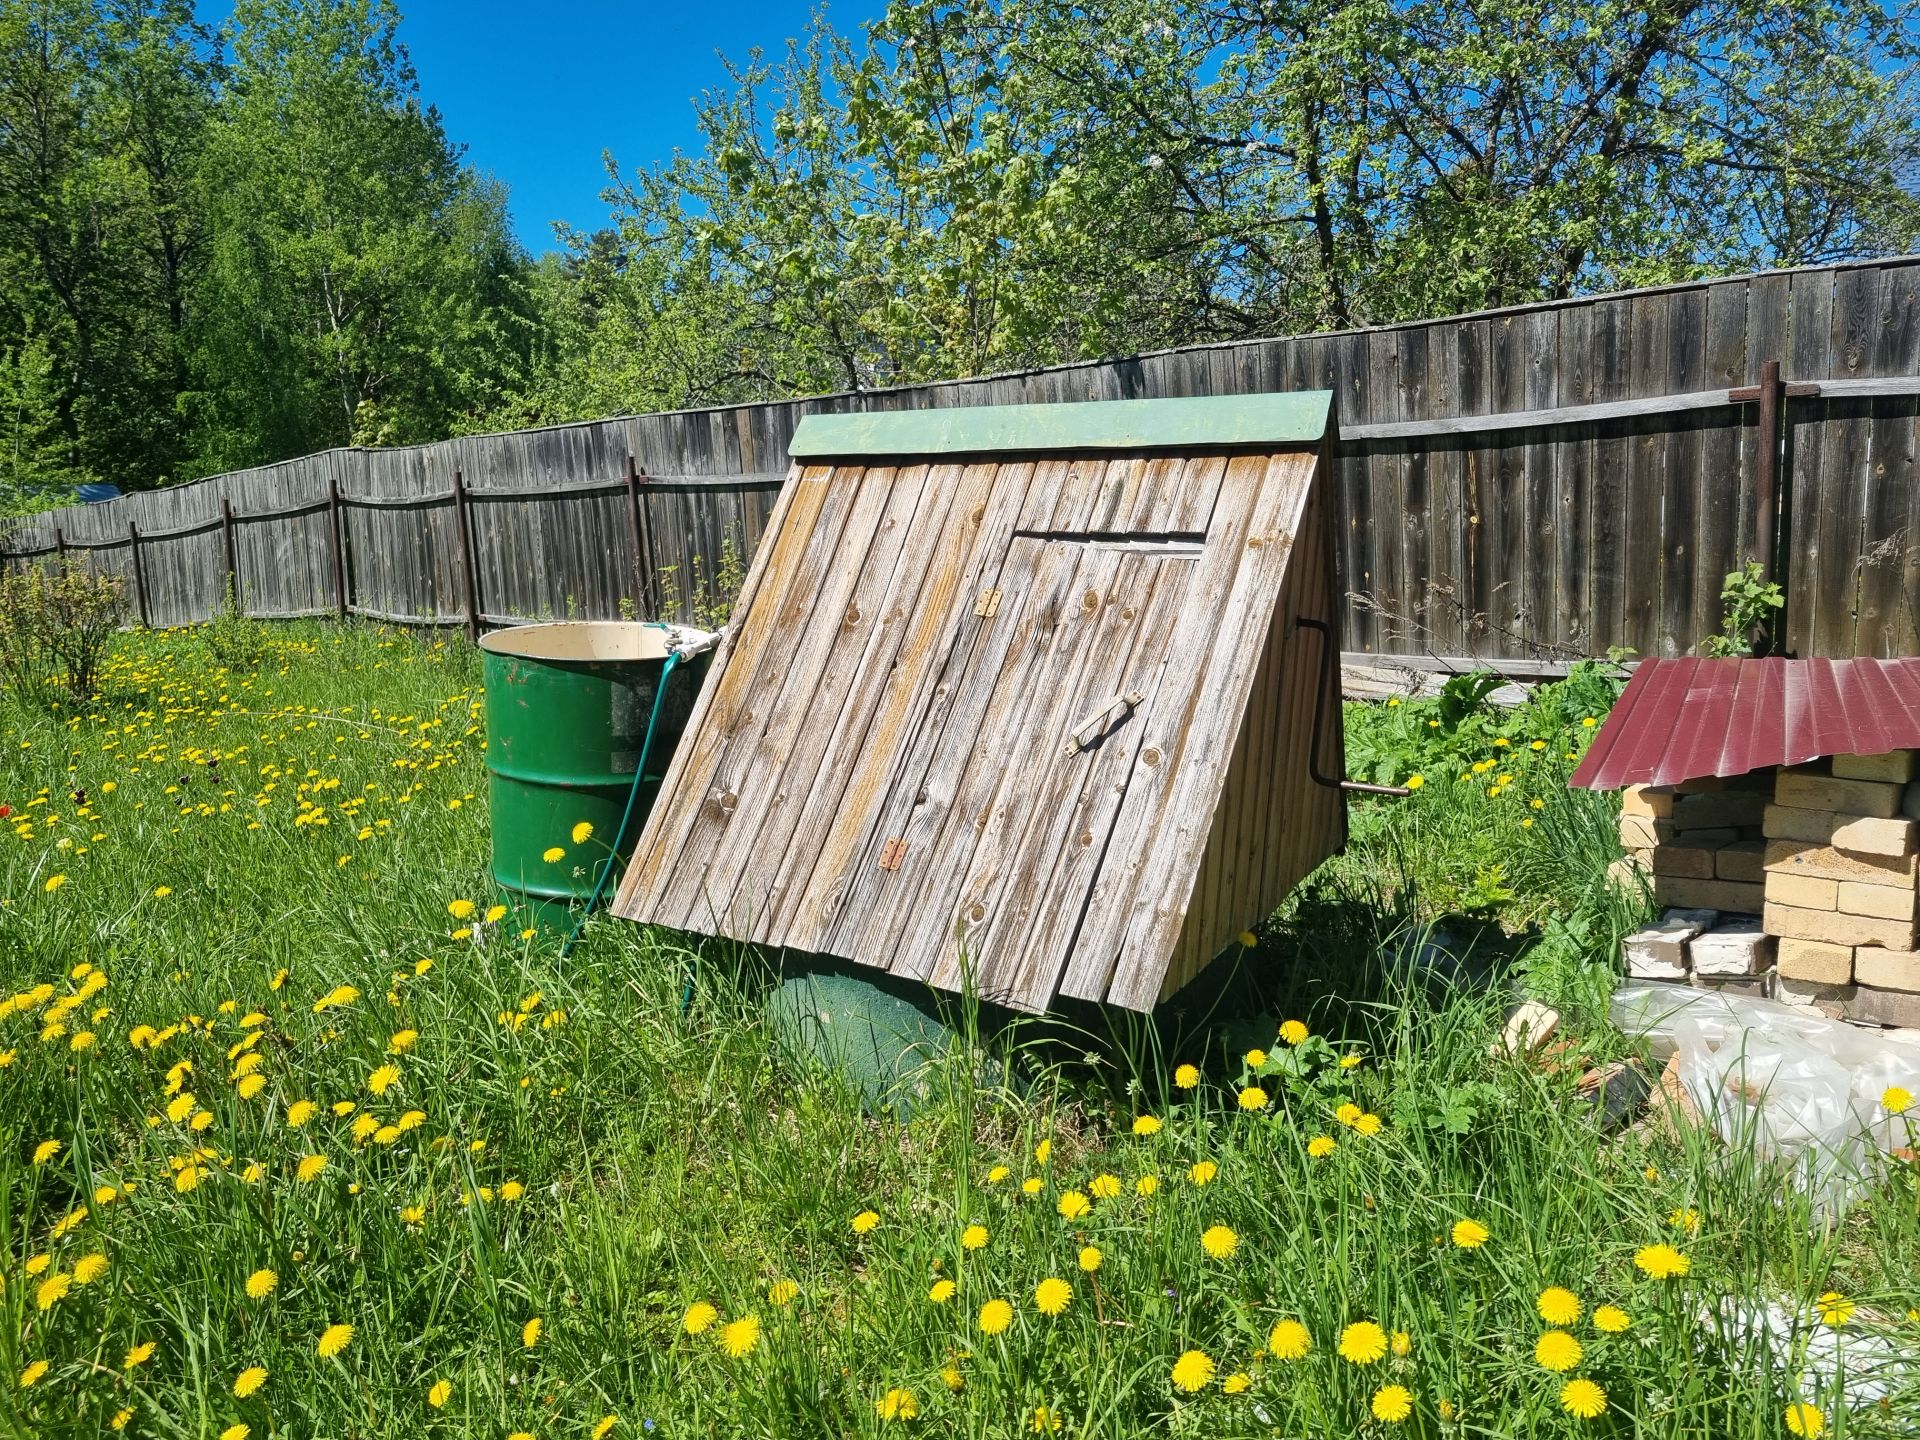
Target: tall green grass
601,1156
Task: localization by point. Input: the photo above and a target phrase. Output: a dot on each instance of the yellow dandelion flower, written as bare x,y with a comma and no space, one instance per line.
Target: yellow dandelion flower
45,1151
897,1404
951,1377
865,1221
1392,1404
699,1318
53,1290
299,1113
383,1079
1193,1370
1368,1124
1043,1152
1290,1340
1052,1296
333,1340
1073,1205
89,1268
553,854
1220,1242
1104,1186
1806,1420
249,1381
1896,1099
739,1337
1293,1032
1661,1262
1557,1350
1686,1219
1558,1305
495,914
460,909
251,1085
1237,1383
1321,1146
120,1418
974,1237
1187,1077
1835,1308
1253,1098
1203,1172
530,1333
1146,1185
54,882
309,1168
137,1356
997,1174
1414,782
31,1376
1583,1399
1146,1125
1611,1319
1256,1058
603,1427
1090,1258
1402,1343
1469,1234
261,1283
1032,1185
995,1316
239,1430
1352,1060
942,1291
1348,1113
1362,1343
583,832
1248,939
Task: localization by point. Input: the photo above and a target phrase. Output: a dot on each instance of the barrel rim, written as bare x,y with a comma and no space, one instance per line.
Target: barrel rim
579,642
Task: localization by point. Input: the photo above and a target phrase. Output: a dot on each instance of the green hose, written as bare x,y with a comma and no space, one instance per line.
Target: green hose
626,816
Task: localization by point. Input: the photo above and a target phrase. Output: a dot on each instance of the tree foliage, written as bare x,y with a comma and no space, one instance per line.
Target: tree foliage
995,183
232,246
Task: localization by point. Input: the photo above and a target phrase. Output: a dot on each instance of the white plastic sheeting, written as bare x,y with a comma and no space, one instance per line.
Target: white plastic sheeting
1797,1086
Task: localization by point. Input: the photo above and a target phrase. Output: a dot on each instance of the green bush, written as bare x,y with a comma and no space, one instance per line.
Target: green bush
55,622
234,639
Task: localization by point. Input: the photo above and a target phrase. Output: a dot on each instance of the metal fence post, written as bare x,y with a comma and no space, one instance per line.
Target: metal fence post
463,518
139,575
232,555
336,545
642,541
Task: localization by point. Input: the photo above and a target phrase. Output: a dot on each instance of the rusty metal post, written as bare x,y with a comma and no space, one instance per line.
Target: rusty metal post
642,541
1766,470
336,545
463,519
231,551
139,575
60,544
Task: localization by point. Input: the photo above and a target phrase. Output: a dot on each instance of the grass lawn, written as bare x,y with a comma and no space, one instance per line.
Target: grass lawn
301,1137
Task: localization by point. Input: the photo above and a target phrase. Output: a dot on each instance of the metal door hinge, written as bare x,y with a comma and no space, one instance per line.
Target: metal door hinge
892,853
987,605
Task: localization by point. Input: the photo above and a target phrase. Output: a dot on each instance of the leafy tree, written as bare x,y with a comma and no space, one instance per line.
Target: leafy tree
36,452
994,183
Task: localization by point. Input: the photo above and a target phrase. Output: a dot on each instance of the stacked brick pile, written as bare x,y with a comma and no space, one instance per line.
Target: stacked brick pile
1841,888
1701,843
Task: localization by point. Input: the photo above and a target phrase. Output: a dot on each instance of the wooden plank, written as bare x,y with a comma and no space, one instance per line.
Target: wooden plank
1539,344
1889,549
1573,481
1682,517
1646,476
1123,948
1810,357
1843,502
1607,565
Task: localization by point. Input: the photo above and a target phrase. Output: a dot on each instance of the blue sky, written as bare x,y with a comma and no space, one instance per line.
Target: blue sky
537,92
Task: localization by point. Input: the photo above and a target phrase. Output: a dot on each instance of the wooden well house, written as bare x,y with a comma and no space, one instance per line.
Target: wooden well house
1041,699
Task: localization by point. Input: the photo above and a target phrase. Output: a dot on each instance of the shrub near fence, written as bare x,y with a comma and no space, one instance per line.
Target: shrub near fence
1549,480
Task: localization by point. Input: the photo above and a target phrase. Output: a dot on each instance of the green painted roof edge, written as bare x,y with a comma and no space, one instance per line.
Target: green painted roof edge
1200,422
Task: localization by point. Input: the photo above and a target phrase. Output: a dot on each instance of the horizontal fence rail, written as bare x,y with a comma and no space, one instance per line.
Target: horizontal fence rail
1529,484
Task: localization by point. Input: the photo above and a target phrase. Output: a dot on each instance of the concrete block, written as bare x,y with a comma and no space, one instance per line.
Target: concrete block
1649,801
1887,969
1856,834
1834,928
1881,902
1809,892
1743,860
1728,809
1690,861
1815,962
1829,1000
1659,952
1638,832
1896,766
1883,1007
1727,895
1801,791
1799,857
1736,946
1910,807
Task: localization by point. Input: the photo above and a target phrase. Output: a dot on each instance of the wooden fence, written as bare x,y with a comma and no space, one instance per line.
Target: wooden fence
1538,482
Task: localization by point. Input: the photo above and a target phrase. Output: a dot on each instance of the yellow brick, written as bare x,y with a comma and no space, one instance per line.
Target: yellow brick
1802,791
1882,902
1815,962
1691,861
1648,801
1799,857
1856,834
1637,832
1743,860
1895,766
1723,895
1887,969
1809,892
1792,922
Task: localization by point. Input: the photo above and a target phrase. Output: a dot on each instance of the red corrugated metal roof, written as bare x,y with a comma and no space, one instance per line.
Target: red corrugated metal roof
1687,719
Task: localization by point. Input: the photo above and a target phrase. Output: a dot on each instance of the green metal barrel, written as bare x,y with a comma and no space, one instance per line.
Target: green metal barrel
568,706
